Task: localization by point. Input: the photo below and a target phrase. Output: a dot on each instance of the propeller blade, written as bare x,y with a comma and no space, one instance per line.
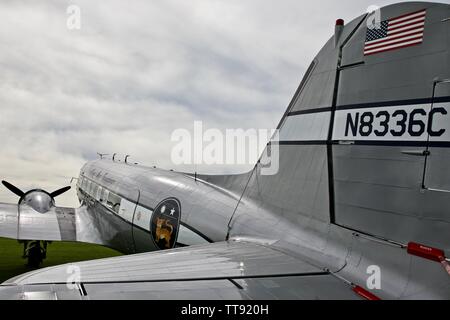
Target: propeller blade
59,192
13,188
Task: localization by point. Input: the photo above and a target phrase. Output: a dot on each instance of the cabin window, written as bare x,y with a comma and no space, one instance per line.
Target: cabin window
88,187
113,202
104,198
91,187
94,190
84,184
98,195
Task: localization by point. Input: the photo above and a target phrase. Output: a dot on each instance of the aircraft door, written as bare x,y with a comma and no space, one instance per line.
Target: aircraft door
141,229
436,175
127,212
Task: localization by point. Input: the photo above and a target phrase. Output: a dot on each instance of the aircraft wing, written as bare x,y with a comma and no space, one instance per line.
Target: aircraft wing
223,270
58,224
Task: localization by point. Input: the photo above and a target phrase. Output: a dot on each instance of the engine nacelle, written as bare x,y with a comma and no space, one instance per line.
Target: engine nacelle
38,199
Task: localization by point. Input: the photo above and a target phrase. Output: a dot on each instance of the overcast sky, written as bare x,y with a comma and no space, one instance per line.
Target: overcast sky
137,70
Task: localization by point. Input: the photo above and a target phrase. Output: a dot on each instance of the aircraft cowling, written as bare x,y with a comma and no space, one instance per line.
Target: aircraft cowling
40,200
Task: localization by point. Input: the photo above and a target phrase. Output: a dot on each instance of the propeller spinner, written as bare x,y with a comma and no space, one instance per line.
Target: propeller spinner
39,200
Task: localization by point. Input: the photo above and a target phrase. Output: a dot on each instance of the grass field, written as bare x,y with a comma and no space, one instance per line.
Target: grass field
12,264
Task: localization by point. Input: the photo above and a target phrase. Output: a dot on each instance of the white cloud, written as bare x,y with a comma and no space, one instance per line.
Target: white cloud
137,70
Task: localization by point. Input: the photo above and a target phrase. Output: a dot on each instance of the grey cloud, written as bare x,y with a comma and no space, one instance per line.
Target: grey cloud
137,70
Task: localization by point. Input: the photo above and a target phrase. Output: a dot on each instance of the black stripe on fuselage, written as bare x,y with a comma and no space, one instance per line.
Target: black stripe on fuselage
308,111
392,103
403,143
200,234
388,143
299,142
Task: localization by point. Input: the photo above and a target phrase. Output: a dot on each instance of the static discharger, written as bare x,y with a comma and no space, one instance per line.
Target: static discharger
429,253
360,291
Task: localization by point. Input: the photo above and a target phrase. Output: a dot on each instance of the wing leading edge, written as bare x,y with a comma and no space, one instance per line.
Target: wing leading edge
224,270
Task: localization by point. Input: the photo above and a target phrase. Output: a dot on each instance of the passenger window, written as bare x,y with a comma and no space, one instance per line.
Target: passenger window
105,196
99,193
114,202
91,189
94,190
84,184
88,187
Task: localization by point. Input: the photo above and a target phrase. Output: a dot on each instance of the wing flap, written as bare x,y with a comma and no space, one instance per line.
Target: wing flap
221,260
306,287
225,270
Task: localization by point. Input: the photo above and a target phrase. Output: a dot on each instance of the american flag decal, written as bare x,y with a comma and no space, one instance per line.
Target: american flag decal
395,33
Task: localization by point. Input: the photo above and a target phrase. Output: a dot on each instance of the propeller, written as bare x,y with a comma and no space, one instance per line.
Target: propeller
13,188
20,193
59,192
38,199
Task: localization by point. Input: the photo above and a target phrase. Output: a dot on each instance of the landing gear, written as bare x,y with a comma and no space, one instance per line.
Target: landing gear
35,251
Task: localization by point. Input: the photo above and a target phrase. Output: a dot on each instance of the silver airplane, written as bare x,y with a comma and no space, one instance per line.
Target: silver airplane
359,208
